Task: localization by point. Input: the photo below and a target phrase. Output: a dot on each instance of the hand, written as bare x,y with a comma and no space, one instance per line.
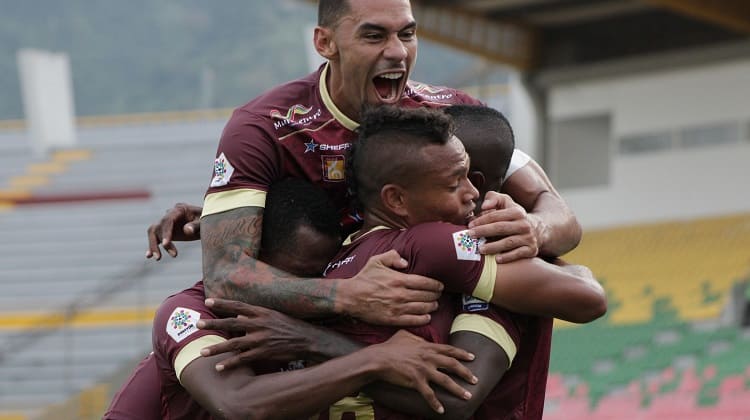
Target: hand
269,335
511,232
181,223
380,295
411,362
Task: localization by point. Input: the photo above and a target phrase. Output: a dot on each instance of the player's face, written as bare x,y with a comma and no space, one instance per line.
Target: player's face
442,193
376,47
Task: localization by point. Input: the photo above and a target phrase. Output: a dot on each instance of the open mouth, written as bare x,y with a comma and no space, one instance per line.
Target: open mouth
387,86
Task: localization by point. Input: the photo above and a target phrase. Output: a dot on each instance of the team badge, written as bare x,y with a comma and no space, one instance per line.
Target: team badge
333,168
223,171
472,304
181,323
467,248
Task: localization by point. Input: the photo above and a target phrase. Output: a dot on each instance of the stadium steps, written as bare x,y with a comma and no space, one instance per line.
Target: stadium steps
691,263
86,260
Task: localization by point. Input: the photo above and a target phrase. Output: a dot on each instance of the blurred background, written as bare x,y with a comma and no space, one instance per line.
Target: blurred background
639,110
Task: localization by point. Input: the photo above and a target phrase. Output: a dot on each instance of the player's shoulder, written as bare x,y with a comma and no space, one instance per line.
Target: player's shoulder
289,100
433,95
435,229
189,301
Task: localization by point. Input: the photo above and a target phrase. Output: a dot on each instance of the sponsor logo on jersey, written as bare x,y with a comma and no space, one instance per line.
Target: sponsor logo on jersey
333,168
472,304
181,323
223,171
339,263
311,146
292,116
467,248
293,365
431,93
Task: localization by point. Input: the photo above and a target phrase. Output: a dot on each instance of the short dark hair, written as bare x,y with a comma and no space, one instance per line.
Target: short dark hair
330,11
487,137
291,203
387,148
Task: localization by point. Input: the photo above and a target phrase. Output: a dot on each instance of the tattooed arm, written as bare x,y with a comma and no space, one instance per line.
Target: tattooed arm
378,294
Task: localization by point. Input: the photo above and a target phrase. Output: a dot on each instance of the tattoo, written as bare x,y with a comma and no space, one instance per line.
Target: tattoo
231,270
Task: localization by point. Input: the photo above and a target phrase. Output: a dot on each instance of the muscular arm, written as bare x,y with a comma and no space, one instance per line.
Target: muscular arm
231,270
556,227
490,365
537,287
377,294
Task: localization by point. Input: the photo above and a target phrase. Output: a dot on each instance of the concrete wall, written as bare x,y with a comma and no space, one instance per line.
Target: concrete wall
678,183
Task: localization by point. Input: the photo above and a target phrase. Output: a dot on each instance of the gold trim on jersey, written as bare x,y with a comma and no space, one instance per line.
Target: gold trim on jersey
360,406
229,200
488,328
349,240
192,351
347,122
485,287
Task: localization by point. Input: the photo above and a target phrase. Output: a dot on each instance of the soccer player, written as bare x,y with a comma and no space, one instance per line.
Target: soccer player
304,129
176,382
493,334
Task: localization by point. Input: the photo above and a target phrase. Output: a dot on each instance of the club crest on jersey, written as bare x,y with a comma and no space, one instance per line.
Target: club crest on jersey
223,171
473,304
333,168
467,248
181,323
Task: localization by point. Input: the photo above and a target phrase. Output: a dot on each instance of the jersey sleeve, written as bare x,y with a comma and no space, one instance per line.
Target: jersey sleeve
518,160
490,321
247,162
177,341
445,252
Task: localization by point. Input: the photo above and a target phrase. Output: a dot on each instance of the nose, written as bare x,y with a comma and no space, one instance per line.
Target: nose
472,193
395,49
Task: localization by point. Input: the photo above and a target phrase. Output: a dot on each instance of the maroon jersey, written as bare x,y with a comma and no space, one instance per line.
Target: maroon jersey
177,341
295,130
140,396
520,393
442,251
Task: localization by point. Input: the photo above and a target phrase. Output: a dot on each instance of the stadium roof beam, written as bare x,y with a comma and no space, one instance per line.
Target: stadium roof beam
731,14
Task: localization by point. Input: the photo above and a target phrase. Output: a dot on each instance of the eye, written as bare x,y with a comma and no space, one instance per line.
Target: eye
372,36
408,35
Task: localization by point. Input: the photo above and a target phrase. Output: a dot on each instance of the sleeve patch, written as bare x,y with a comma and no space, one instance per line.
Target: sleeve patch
182,323
467,248
473,304
223,171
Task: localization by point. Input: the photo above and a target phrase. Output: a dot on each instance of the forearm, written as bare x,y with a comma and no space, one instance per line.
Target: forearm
231,270
557,229
283,395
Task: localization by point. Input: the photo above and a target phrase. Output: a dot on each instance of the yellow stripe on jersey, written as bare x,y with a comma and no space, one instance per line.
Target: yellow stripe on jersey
229,200
347,122
486,285
488,328
192,351
360,406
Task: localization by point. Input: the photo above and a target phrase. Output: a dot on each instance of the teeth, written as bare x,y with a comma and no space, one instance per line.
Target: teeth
392,76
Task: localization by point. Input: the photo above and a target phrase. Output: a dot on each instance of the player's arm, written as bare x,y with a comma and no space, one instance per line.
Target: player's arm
489,366
238,393
535,221
537,287
378,294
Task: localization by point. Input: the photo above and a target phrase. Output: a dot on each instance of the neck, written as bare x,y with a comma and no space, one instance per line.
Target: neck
377,217
334,84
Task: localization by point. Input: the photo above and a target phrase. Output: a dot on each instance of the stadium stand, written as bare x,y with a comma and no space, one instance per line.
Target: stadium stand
78,295
663,350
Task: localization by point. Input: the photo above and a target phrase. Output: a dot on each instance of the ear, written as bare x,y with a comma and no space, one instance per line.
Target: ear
477,179
324,43
394,199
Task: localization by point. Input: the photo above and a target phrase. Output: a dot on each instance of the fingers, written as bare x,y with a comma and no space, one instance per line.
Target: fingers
516,254
233,307
450,385
429,395
153,243
166,226
390,259
192,229
421,283
407,320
